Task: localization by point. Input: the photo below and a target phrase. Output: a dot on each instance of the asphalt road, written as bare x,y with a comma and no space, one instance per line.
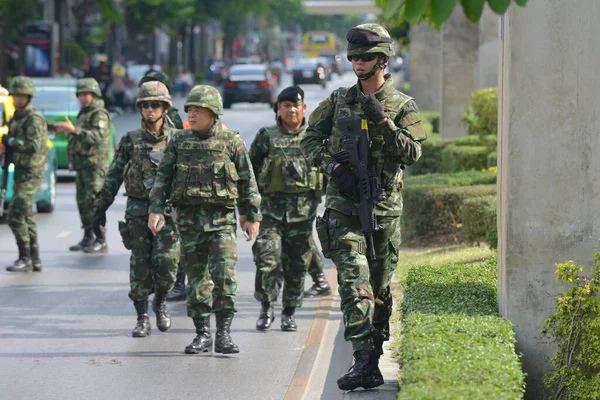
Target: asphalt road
65,333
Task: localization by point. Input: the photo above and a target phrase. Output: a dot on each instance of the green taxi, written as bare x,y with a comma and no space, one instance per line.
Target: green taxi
56,100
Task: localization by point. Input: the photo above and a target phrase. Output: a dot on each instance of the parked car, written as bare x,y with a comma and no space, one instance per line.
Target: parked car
310,70
252,83
45,198
335,61
56,100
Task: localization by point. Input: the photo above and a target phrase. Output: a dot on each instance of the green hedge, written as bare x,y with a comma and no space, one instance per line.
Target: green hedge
431,118
492,160
463,158
482,117
478,216
430,160
454,343
465,178
435,210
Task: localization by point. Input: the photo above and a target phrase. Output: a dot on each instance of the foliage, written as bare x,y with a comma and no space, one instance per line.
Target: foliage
15,16
574,329
465,178
482,117
478,216
453,344
436,12
463,158
430,160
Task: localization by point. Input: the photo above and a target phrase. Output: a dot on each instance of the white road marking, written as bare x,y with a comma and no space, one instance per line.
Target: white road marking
64,234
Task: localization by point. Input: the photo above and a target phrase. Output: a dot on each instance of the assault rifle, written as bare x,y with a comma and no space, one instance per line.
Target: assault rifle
356,142
5,160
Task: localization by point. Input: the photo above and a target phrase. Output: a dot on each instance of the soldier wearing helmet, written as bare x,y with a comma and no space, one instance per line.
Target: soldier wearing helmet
88,149
206,172
154,258
173,113
395,132
26,142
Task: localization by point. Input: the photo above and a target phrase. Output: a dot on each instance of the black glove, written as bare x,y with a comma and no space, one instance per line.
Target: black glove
345,180
99,222
342,157
373,109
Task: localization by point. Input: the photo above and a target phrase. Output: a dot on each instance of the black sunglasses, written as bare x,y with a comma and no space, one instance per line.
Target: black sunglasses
154,104
364,57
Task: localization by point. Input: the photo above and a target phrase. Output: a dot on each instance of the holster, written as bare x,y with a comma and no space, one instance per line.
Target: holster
322,225
125,236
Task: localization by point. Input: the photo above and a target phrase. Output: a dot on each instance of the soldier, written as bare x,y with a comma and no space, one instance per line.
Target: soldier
178,292
206,172
89,145
27,143
288,187
395,132
154,259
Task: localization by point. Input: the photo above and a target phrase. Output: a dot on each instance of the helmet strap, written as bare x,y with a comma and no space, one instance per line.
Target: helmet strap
379,65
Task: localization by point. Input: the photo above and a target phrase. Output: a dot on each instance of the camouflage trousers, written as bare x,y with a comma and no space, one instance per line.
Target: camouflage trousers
153,261
88,182
276,238
20,211
364,286
209,260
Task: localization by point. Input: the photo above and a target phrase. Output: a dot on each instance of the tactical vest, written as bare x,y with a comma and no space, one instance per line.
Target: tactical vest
140,170
18,128
285,169
204,172
382,160
79,148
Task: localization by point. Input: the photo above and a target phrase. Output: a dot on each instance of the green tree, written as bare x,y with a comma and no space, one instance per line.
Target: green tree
436,12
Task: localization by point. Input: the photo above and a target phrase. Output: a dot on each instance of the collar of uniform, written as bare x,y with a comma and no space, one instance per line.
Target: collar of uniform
97,103
24,112
384,91
164,132
214,130
298,131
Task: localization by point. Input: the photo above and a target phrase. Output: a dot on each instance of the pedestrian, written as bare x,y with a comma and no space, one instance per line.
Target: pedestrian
153,261
290,191
395,132
178,293
206,172
26,142
88,149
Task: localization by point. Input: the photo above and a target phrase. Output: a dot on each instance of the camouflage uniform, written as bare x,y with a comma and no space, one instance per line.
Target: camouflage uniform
88,148
27,136
206,174
364,286
154,259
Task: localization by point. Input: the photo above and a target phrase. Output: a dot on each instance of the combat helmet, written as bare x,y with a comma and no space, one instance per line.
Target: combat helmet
154,90
157,76
369,38
22,85
205,96
89,85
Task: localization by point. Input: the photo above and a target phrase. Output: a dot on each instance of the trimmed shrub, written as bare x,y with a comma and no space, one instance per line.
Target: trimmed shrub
435,210
455,345
431,160
463,158
482,117
492,159
478,216
466,178
432,118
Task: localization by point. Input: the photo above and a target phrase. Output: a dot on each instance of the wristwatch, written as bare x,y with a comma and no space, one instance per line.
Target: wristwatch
330,166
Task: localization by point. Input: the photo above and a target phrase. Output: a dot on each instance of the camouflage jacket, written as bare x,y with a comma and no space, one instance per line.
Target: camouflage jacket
29,149
173,115
89,145
392,143
135,163
211,172
292,207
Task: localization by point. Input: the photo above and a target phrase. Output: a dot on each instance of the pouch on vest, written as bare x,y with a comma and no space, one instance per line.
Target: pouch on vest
124,231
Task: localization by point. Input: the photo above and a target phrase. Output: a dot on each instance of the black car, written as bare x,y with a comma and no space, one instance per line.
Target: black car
252,83
310,70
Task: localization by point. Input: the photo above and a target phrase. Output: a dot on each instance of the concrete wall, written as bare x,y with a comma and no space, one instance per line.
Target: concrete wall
487,57
460,49
549,180
425,67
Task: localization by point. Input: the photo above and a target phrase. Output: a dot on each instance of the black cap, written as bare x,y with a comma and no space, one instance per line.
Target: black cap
292,93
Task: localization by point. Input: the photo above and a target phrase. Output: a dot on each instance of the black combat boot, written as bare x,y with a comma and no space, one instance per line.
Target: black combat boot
288,323
88,239
266,317
143,328
23,263
223,342
35,257
178,292
203,342
98,245
159,306
364,372
320,286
